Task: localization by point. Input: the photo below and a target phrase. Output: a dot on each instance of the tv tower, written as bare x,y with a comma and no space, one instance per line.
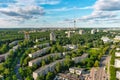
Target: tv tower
74,24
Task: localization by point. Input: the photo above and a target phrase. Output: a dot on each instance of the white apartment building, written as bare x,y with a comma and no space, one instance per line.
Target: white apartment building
80,58
38,53
117,49
81,32
117,54
42,45
52,36
117,38
93,31
37,61
106,39
118,75
45,69
117,63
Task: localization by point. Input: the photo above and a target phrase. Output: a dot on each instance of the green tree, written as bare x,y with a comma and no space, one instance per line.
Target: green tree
41,77
96,63
43,62
50,76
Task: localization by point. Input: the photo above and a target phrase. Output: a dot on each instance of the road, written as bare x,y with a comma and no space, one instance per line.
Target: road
102,74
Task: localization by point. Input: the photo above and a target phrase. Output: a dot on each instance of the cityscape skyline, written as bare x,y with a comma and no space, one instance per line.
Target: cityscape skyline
59,13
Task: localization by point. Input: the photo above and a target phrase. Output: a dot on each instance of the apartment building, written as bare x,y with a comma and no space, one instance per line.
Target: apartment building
80,58
37,61
39,52
45,69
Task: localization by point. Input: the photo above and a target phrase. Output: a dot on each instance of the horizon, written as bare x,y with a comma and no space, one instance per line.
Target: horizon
59,13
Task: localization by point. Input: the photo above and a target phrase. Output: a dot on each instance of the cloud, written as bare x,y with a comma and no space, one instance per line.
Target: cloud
50,2
99,15
103,11
107,5
27,12
72,8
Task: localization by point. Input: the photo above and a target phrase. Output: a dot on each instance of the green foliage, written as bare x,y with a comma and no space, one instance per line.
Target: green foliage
112,73
4,48
50,76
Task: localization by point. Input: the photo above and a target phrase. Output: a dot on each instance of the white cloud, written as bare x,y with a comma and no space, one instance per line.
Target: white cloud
69,9
51,2
27,12
107,5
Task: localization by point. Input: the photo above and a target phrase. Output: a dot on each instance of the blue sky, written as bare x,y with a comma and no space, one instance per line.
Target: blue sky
59,13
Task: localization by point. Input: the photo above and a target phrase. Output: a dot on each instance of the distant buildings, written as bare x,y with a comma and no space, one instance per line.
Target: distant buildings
26,35
106,39
52,36
98,30
69,33
117,63
117,38
93,31
81,32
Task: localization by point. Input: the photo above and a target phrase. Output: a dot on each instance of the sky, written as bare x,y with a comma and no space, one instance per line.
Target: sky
59,13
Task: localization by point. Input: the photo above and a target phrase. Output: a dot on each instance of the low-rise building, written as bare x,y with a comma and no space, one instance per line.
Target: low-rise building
37,61
42,45
117,49
39,52
106,39
76,70
80,58
69,47
117,54
2,58
117,38
45,69
13,43
118,75
117,63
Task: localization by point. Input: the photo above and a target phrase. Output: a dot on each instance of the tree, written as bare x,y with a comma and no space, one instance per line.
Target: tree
21,72
50,76
14,77
58,67
6,71
43,62
28,78
96,63
41,77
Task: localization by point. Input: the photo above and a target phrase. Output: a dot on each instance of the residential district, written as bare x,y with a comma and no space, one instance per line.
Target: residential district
60,54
